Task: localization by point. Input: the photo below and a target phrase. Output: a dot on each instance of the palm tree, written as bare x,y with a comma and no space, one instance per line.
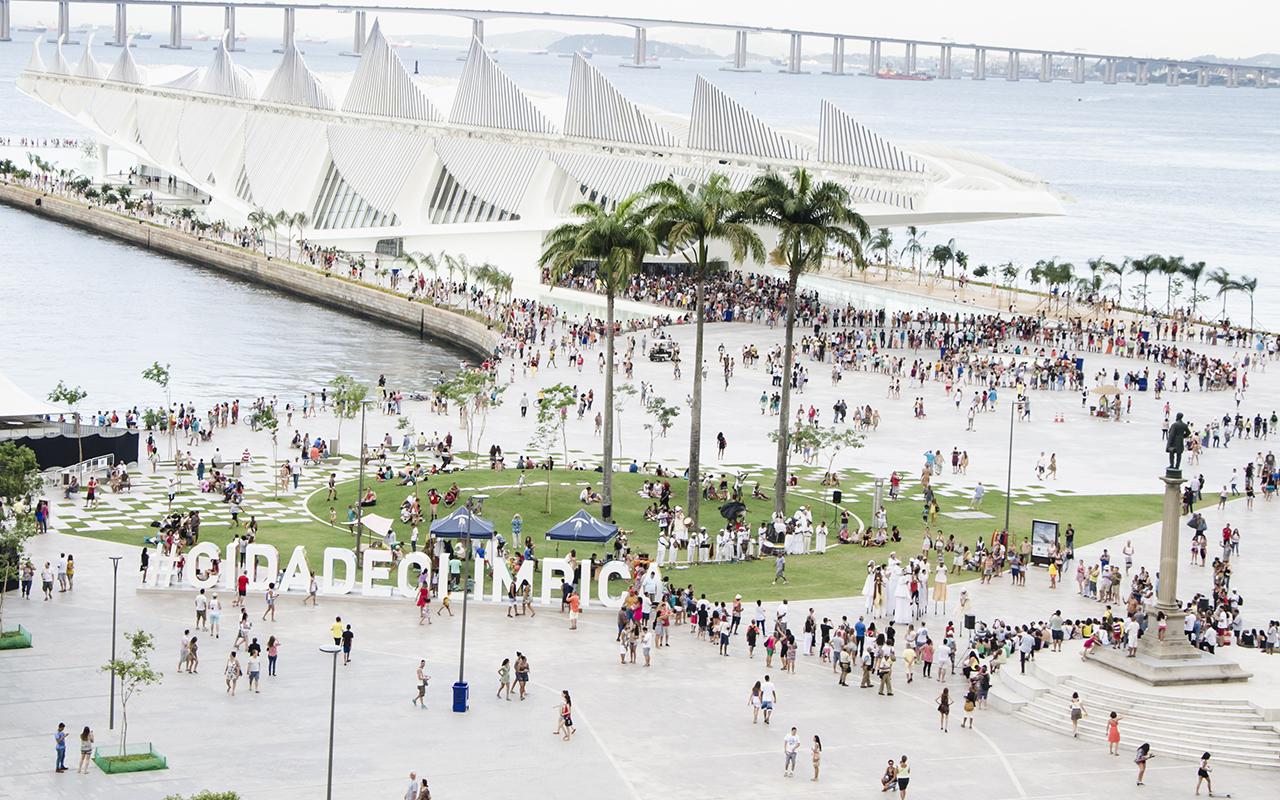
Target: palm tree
1009,275
617,242
1194,272
808,218
941,255
1118,270
915,246
1248,286
258,219
1144,267
881,243
1171,267
299,220
1225,283
690,221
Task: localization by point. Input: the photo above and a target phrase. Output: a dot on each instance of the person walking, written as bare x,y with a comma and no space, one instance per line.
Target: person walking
790,745
423,678
768,696
271,596
193,662
232,673
754,701
1113,734
565,723
60,748
904,778
1202,774
1077,713
817,756
215,616
1143,756
273,651
86,750
944,709
253,665
504,678
522,673
970,703
347,637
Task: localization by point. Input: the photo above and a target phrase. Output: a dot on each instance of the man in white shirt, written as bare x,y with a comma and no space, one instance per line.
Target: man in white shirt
768,696
202,605
789,747
780,616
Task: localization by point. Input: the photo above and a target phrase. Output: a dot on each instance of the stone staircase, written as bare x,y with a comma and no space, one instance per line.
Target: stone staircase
1236,732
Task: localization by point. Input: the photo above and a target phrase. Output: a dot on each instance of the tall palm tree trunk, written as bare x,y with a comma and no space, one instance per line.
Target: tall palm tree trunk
606,483
784,412
695,422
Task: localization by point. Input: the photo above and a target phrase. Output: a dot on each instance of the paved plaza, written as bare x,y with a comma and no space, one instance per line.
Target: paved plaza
681,728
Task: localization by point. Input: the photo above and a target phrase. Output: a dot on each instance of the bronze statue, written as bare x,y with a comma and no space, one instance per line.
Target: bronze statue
1176,442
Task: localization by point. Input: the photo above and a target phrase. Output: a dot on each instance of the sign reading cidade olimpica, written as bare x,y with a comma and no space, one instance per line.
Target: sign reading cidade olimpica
337,575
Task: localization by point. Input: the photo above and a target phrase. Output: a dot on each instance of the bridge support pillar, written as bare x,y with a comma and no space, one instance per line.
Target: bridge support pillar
911,59
358,35
120,27
287,35
1173,75
175,29
944,62
1077,71
1013,72
1202,77
1144,74
1263,79
979,63
837,56
64,21
1109,72
794,55
229,26
1233,78
4,21
739,54
477,29
873,58
1046,67
640,52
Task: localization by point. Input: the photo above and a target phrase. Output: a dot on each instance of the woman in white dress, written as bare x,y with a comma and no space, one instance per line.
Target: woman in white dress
902,601
663,543
868,587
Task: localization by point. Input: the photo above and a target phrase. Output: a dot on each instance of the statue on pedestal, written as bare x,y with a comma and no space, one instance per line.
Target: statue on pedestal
1175,443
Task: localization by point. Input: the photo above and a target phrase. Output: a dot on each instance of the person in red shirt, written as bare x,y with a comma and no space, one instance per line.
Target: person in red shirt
242,588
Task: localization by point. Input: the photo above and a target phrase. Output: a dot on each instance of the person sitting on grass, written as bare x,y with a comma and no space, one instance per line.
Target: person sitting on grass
370,498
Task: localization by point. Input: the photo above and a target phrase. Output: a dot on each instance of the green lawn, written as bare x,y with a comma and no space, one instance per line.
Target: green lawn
838,573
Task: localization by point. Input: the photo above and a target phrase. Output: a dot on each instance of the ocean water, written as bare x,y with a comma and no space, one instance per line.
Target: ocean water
95,312
1180,171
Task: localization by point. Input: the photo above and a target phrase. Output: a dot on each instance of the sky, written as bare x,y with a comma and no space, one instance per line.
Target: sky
1156,28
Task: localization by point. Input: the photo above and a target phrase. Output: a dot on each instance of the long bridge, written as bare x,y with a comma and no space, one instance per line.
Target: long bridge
1013,63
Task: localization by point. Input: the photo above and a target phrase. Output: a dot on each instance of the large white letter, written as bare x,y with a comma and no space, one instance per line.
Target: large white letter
584,580
374,556
618,568
230,569
327,583
162,571
552,567
501,579
206,550
402,575
260,577
298,572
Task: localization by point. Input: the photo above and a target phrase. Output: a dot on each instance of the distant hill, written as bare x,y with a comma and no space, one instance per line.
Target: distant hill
1260,60
522,40
608,45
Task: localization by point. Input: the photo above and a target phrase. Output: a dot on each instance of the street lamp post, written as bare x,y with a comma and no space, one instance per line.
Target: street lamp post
460,689
1008,484
333,650
360,485
115,574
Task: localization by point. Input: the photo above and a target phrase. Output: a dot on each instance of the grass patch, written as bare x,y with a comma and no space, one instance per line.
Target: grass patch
836,574
17,639
130,762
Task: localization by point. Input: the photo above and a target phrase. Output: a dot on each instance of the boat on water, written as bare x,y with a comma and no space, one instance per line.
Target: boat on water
199,37
310,40
242,37
140,34
39,27
890,75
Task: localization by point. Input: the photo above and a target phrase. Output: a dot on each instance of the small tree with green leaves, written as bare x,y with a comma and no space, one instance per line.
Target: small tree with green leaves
621,395
474,392
265,418
19,487
553,408
134,671
161,376
348,396
71,396
662,416
819,441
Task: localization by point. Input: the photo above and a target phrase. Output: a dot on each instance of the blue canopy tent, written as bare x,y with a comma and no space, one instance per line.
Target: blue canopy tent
462,523
582,527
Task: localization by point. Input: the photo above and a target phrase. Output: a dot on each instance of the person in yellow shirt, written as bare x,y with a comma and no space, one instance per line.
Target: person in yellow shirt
336,630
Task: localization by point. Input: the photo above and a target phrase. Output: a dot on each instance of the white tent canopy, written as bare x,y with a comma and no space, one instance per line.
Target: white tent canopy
376,524
14,402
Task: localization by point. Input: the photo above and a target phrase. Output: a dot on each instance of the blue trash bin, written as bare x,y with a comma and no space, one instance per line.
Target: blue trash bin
461,693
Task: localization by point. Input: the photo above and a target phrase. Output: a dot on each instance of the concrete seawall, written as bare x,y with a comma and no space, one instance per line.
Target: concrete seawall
331,293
